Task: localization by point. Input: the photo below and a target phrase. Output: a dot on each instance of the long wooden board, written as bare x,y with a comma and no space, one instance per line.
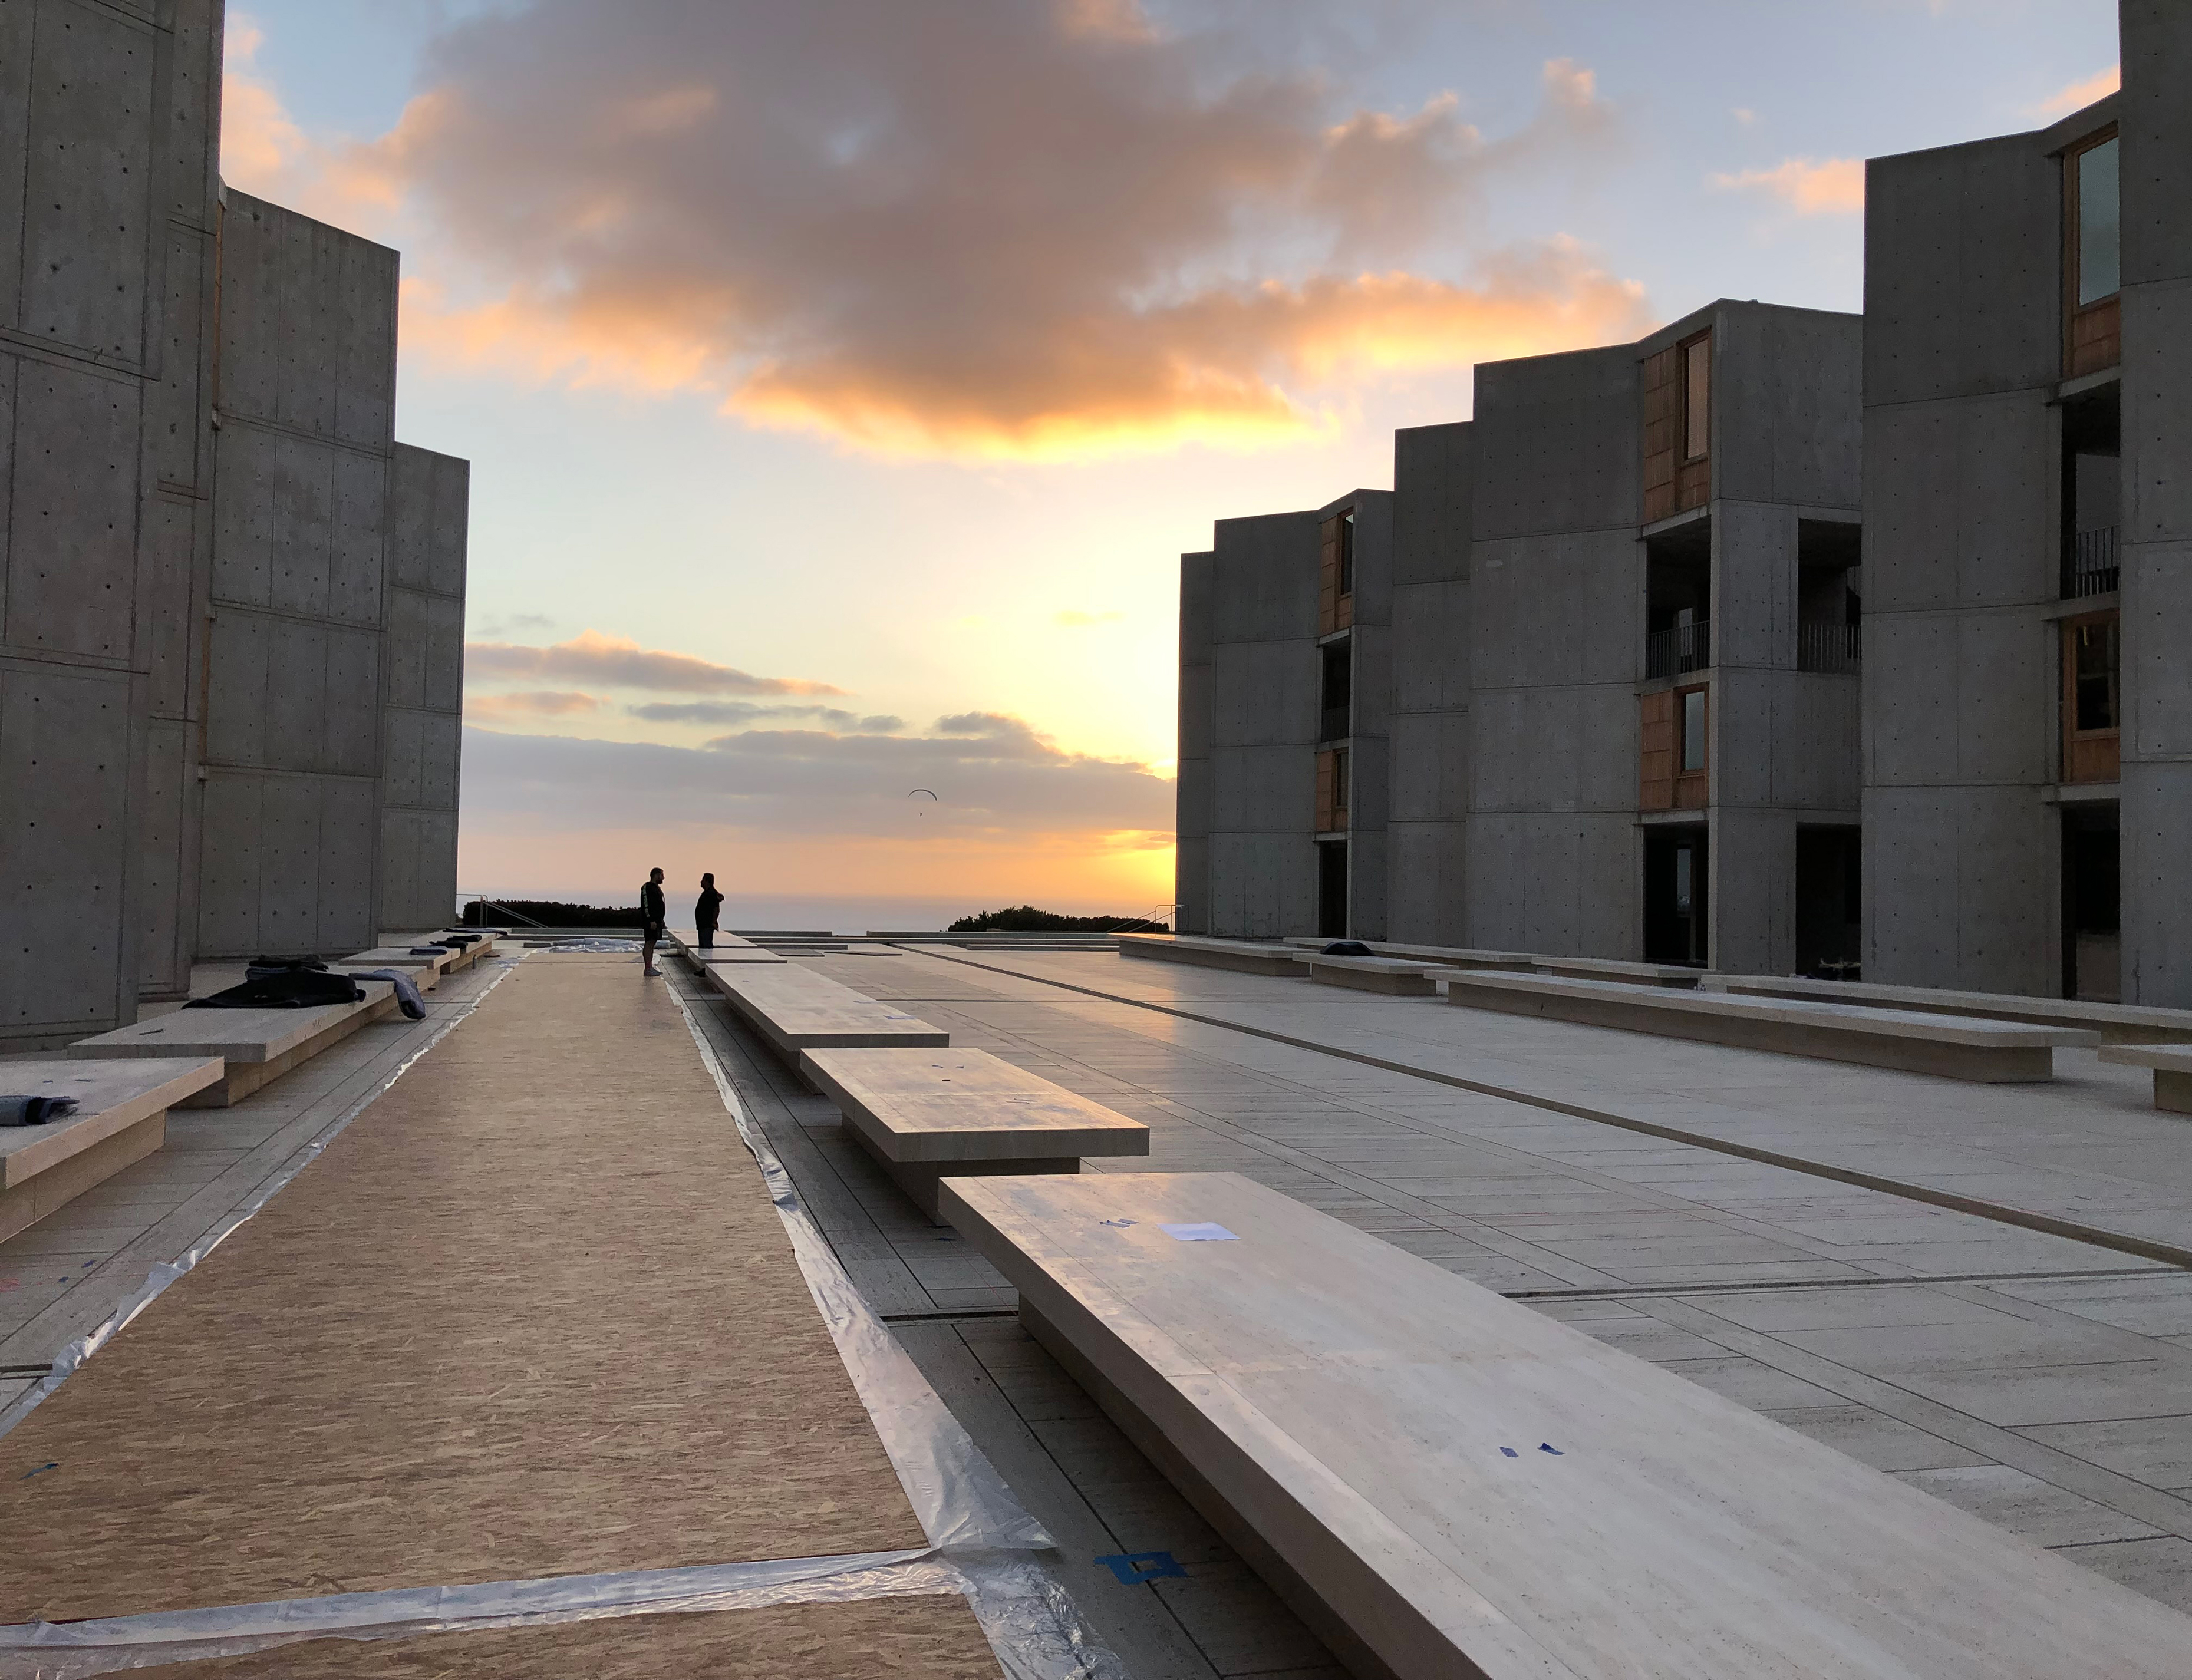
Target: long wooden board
121,1117
256,1045
795,1010
1445,1482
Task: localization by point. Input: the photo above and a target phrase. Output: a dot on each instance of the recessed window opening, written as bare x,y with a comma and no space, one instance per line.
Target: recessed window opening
2100,223
1693,729
1697,399
1347,552
1338,661
2095,676
1339,778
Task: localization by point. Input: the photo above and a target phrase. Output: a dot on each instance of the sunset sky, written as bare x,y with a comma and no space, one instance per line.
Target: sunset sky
842,380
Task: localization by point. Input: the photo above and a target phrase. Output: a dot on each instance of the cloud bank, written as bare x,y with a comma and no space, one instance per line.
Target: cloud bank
1832,187
962,226
618,661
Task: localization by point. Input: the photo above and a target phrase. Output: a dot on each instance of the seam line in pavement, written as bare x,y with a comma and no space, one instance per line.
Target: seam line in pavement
2170,1254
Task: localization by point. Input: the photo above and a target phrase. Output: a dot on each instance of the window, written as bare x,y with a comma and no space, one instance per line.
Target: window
1347,552
1697,399
1685,882
1340,768
1337,661
2099,224
1694,730
2093,682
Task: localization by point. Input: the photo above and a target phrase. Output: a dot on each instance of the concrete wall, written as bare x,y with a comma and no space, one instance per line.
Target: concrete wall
2155,811
1263,719
107,122
1191,865
1963,350
1434,488
1556,624
293,749
422,686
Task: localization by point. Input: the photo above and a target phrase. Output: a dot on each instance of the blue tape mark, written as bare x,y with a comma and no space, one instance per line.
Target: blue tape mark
40,1471
1133,1568
1510,1452
1119,1224
1555,1451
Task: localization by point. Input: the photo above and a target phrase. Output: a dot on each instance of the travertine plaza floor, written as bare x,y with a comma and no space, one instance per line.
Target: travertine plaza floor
2039,1379
2044,1383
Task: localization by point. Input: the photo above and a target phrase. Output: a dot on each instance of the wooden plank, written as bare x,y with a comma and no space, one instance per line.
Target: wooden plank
1371,1431
1656,773
110,1096
1390,976
2172,1072
1957,1047
1239,955
795,1010
256,1045
1609,968
2118,1023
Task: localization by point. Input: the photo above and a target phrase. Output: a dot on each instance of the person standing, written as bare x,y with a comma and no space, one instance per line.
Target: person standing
705,912
653,913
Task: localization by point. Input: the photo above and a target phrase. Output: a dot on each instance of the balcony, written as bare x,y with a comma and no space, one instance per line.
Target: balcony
1678,650
1832,645
2095,567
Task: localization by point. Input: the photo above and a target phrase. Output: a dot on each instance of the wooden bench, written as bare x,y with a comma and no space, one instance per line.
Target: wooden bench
256,1045
425,972
1392,977
2173,1071
1606,968
483,941
2118,1023
1242,956
1445,1483
1957,1047
121,1117
727,948
957,1111
1444,956
797,1010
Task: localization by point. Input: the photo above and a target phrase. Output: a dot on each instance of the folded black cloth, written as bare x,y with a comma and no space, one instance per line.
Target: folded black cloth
407,993
34,1111
430,950
284,989
458,938
1348,947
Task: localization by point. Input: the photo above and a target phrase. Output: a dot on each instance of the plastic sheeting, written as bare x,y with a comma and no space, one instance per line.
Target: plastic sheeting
157,1281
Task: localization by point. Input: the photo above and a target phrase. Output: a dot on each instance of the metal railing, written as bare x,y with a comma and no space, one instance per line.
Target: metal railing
2095,565
1828,644
1677,649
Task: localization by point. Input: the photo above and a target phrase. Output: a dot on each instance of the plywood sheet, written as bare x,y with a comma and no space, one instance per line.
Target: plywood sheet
1459,1479
919,1638
532,1314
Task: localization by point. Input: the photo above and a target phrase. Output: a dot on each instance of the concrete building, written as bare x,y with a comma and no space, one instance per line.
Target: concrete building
1604,699
1285,654
227,680
2029,548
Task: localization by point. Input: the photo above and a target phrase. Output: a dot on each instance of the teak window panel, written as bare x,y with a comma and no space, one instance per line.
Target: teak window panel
1656,780
2092,256
1324,768
1693,759
2092,698
1677,389
1335,579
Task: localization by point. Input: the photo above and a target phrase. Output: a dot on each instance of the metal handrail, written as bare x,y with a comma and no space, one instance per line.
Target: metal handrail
1830,645
2096,564
1677,649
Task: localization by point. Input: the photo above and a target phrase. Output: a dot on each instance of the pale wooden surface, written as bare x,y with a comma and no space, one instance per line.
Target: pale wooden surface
2177,1058
1393,976
397,956
966,1105
796,1009
931,1638
1243,955
1446,956
242,1035
483,1337
1349,1401
2119,1023
111,1096
1675,976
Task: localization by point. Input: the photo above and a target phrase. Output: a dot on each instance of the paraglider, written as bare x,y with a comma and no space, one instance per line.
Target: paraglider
919,810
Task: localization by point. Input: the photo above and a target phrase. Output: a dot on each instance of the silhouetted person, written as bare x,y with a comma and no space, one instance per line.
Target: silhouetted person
653,913
706,911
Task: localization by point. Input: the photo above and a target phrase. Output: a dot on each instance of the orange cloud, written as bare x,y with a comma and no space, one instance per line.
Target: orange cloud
961,228
2079,94
618,662
509,708
1833,186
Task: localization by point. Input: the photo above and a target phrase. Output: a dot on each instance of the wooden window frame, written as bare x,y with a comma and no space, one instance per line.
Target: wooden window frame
1335,606
2092,333
1695,342
1693,788
2090,755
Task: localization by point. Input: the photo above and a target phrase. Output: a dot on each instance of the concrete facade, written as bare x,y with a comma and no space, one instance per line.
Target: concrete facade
1533,611
196,403
2029,704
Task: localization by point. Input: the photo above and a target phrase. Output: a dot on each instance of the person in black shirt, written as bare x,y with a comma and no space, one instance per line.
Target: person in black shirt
706,911
653,913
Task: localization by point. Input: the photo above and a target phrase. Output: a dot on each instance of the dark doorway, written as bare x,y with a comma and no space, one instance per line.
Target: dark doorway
1331,889
1830,867
2093,936
1338,660
1674,895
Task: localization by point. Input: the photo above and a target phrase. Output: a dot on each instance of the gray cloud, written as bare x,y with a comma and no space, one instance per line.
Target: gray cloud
963,223
812,782
748,711
617,661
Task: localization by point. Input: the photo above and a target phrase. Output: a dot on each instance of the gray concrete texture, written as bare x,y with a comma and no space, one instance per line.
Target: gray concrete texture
199,620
